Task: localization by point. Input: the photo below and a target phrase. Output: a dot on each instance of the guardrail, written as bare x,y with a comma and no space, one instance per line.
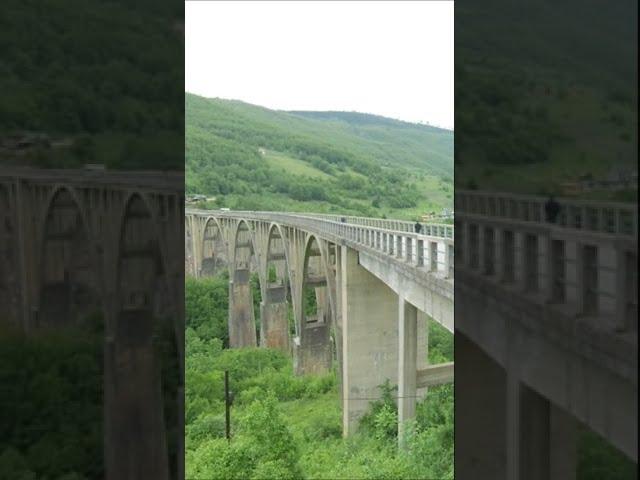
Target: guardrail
431,251
585,215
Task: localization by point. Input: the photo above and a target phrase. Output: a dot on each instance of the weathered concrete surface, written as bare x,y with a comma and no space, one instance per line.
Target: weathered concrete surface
242,325
274,326
314,353
136,416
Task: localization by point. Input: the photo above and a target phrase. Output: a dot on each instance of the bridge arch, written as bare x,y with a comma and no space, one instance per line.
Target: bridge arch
145,319
68,282
276,306
214,254
245,260
9,294
316,318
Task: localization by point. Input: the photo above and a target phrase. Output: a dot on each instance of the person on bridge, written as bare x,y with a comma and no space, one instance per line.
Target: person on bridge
418,227
551,209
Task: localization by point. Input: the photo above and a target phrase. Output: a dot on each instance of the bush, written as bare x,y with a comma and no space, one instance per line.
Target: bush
206,426
323,425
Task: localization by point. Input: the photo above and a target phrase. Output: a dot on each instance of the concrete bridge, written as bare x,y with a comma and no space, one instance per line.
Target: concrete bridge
545,333
376,284
78,243
546,316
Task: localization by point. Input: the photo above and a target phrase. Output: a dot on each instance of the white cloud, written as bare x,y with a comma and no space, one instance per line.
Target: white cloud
389,58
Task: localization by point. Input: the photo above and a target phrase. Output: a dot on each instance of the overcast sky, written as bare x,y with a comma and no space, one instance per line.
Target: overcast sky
388,58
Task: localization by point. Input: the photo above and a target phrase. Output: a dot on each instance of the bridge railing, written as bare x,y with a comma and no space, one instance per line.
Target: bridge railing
583,264
431,229
583,215
431,251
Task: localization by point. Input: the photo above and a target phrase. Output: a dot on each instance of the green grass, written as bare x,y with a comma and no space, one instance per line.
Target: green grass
292,165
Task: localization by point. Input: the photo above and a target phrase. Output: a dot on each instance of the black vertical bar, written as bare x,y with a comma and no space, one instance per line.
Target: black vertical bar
227,406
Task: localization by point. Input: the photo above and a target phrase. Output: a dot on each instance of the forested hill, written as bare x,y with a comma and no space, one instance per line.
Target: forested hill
412,144
555,103
247,156
94,81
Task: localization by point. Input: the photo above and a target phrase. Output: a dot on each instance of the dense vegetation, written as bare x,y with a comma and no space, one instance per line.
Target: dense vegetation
284,426
248,157
103,76
51,401
547,100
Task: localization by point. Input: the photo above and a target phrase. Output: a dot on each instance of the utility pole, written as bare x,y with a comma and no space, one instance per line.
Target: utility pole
227,406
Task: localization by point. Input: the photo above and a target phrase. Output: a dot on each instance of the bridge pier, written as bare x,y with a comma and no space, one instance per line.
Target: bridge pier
479,418
369,337
541,438
242,326
313,355
407,365
274,321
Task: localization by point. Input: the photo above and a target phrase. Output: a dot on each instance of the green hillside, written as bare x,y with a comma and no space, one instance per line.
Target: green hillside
556,102
249,157
101,81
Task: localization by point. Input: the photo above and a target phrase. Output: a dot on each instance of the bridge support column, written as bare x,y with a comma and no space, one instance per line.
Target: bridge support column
422,360
480,417
563,445
274,321
242,327
134,422
541,438
407,366
369,337
274,326
313,356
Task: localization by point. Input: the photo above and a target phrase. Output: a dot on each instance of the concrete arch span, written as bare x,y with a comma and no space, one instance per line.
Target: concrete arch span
346,285
276,330
143,319
75,231
315,352
214,253
245,261
69,281
9,295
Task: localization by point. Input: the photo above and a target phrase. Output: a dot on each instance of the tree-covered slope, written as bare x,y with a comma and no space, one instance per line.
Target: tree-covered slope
103,80
392,142
252,157
546,92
